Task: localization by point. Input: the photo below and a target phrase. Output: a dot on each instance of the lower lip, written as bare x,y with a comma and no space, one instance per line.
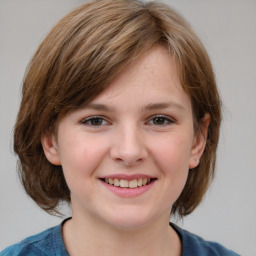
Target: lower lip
128,192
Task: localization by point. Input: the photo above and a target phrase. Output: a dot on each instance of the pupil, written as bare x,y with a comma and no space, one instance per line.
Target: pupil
159,120
96,121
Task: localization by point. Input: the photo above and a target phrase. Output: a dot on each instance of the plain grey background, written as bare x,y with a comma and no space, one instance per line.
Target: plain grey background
228,30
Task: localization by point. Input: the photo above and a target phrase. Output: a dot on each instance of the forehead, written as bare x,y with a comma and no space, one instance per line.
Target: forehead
151,77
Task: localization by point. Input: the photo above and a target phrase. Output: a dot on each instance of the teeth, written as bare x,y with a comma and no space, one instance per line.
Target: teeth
133,184
128,184
144,181
116,182
124,183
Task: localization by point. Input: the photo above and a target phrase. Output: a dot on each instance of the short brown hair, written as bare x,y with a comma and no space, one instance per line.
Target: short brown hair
77,60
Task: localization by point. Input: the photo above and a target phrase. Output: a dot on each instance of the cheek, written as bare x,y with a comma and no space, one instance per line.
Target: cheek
80,157
173,153
172,158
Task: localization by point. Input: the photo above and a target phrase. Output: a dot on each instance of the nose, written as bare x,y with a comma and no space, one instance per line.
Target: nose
128,147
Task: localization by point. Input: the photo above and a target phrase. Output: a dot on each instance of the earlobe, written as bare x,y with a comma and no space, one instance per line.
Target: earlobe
199,142
50,148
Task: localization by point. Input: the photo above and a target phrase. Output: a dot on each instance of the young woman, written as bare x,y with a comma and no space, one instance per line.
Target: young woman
119,117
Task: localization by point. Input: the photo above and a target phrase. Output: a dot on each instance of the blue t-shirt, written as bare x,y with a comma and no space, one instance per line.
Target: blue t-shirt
50,243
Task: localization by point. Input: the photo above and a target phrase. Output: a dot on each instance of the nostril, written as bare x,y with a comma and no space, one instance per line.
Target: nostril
128,150
128,161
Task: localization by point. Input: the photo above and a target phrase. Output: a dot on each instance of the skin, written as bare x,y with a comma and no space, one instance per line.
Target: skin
141,124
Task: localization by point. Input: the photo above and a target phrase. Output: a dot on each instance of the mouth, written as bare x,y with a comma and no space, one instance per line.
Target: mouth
131,183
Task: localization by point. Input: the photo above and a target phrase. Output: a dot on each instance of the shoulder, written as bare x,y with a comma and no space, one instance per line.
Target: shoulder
195,245
48,242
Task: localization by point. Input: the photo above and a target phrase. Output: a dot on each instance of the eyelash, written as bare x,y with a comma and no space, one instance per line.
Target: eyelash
88,121
167,120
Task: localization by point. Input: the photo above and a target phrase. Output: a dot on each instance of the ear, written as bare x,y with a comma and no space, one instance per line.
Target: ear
50,147
199,142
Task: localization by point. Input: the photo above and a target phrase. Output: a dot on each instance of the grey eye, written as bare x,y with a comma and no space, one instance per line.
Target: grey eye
160,120
95,121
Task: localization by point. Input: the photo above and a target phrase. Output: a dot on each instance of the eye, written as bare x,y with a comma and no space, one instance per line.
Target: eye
94,121
160,120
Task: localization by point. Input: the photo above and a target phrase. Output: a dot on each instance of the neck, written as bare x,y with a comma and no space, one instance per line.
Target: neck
87,238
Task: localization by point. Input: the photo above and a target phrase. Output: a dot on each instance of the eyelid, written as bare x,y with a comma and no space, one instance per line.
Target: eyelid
168,118
87,119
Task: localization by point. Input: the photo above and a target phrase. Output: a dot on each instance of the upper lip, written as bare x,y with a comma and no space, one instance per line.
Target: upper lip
126,177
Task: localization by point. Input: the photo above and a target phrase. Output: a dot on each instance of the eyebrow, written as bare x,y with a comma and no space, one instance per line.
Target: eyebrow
150,106
164,105
96,106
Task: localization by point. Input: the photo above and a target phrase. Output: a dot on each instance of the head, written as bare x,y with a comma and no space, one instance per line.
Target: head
77,61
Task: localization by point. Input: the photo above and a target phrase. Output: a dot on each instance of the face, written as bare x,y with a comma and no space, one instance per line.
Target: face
126,155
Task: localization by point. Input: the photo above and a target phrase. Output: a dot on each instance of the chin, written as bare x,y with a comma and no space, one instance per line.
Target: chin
129,220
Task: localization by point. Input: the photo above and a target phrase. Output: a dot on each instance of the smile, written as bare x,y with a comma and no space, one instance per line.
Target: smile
128,186
123,183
